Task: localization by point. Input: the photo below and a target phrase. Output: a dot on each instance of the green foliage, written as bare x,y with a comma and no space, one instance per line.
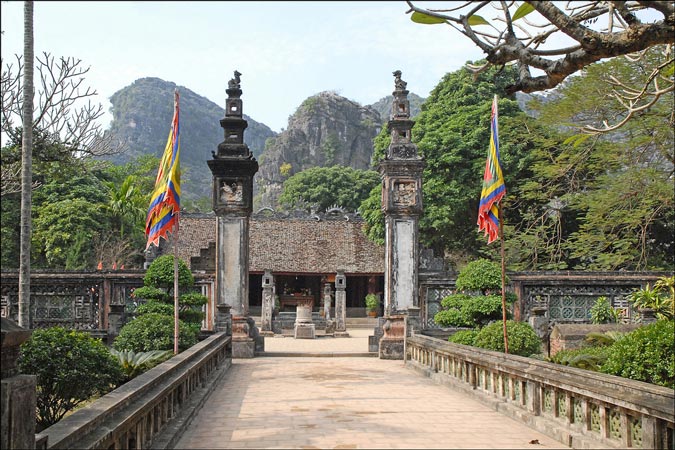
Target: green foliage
480,276
646,354
370,210
70,367
605,339
327,186
135,363
154,307
522,339
461,310
605,203
158,287
465,337
154,331
589,358
602,312
160,274
372,302
659,298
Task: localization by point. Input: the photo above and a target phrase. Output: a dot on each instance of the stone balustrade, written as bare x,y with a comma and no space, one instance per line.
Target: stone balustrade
580,408
150,411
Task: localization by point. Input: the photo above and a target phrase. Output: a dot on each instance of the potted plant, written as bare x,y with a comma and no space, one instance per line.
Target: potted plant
372,304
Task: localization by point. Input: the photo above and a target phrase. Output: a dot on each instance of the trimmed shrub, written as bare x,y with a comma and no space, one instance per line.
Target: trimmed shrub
154,307
522,339
645,354
70,367
480,276
154,331
466,337
461,310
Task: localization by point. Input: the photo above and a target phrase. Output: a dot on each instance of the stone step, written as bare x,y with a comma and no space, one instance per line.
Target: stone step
351,322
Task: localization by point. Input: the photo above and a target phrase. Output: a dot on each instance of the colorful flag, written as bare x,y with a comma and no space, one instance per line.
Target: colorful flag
164,207
493,183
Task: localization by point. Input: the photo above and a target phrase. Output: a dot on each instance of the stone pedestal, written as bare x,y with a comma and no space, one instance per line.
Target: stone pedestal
17,392
224,319
243,345
304,328
392,343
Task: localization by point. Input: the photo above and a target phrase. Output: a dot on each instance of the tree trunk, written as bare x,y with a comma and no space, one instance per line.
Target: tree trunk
26,167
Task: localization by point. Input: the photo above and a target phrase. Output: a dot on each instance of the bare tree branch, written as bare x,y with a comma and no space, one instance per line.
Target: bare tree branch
522,42
63,109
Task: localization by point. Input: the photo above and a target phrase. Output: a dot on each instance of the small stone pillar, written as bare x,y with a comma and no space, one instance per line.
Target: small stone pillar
233,167
267,304
647,315
18,392
327,297
539,322
304,327
340,305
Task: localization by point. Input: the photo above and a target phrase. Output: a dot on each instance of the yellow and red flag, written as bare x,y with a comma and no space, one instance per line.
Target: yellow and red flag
164,207
493,183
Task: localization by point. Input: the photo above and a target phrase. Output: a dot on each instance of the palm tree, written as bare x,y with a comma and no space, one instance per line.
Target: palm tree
26,167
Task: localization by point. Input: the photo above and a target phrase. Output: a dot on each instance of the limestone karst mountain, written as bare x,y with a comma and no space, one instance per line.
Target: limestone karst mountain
326,129
142,115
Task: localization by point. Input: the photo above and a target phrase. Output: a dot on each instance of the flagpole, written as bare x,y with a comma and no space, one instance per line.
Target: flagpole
501,235
175,287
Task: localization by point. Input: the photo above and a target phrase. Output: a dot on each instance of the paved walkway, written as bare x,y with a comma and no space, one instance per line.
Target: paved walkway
345,402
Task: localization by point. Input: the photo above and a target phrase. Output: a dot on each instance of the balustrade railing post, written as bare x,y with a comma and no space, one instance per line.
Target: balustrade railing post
534,397
652,434
604,422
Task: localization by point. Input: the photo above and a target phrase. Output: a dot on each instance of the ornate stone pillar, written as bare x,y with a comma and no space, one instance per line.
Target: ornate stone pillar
18,391
340,305
267,304
233,167
401,172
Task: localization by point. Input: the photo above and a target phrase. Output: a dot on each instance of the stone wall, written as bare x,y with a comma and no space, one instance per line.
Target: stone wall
571,336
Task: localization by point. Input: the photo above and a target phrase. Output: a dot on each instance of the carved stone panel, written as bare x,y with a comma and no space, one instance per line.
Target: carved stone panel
231,192
404,193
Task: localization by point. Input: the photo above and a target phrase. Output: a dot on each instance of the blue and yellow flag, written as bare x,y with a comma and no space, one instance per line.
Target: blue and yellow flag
164,207
493,183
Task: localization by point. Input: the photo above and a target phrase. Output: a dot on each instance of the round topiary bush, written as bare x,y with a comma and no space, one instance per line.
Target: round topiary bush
522,339
154,331
645,354
480,276
465,337
70,367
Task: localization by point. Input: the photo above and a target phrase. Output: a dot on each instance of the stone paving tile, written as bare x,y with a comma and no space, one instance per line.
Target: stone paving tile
346,402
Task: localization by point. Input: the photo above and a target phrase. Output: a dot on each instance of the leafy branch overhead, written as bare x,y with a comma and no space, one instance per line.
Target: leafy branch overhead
548,44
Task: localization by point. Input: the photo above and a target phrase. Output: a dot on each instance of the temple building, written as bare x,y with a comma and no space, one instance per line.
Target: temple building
303,252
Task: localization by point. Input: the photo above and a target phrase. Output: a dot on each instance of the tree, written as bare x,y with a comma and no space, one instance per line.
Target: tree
530,41
64,112
604,202
26,170
329,186
70,367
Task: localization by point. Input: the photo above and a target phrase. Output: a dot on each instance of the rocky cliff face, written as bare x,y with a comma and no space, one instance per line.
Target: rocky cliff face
142,115
326,130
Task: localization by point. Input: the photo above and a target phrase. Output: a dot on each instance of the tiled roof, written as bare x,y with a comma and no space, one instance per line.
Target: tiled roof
296,245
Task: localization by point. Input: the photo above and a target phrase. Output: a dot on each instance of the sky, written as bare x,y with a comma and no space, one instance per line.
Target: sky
286,51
